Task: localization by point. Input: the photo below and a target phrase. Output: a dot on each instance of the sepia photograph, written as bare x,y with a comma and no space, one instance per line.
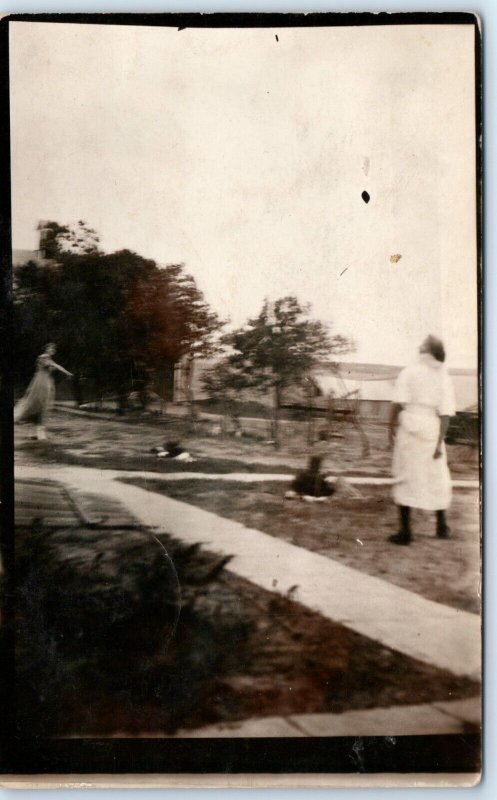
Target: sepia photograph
244,394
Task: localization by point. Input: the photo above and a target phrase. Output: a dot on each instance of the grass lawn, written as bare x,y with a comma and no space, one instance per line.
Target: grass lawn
354,532
350,530
238,651
241,651
125,443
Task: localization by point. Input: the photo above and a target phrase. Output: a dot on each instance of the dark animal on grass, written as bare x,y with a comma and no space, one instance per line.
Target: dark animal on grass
312,481
173,449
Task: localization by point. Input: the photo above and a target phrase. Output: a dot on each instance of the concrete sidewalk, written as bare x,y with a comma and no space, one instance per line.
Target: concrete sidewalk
455,717
458,716
404,621
443,718
258,477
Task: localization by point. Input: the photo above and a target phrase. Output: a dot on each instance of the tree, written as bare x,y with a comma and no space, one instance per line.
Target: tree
169,317
118,318
77,238
275,350
226,382
170,321
79,301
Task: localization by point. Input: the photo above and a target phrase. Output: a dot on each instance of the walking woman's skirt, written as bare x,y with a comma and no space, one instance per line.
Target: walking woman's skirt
421,481
37,400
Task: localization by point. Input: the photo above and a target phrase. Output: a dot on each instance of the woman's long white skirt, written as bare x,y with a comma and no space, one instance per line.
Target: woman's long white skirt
421,481
37,400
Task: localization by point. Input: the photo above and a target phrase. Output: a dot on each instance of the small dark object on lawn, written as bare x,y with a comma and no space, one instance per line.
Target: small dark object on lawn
173,449
312,481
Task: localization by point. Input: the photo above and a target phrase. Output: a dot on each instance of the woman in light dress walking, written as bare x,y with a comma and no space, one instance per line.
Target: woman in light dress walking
40,394
422,407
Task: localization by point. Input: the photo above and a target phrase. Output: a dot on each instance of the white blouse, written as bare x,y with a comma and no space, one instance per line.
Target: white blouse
426,384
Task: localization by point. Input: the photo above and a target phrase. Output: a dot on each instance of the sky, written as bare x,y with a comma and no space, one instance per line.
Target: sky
244,154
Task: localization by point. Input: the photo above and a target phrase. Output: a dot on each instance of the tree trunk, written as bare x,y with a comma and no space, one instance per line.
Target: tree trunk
122,404
275,427
190,394
310,418
330,415
143,397
162,391
225,424
77,389
364,439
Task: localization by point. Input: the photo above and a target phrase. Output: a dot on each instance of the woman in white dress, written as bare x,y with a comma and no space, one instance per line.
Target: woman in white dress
422,407
40,394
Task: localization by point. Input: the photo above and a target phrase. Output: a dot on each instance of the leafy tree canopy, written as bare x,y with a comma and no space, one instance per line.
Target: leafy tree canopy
117,318
77,238
275,350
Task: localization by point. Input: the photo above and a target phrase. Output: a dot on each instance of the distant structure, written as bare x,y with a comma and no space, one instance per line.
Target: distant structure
46,238
21,256
371,386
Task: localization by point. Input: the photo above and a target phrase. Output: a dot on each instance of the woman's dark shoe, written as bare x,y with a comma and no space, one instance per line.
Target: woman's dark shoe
443,530
400,538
